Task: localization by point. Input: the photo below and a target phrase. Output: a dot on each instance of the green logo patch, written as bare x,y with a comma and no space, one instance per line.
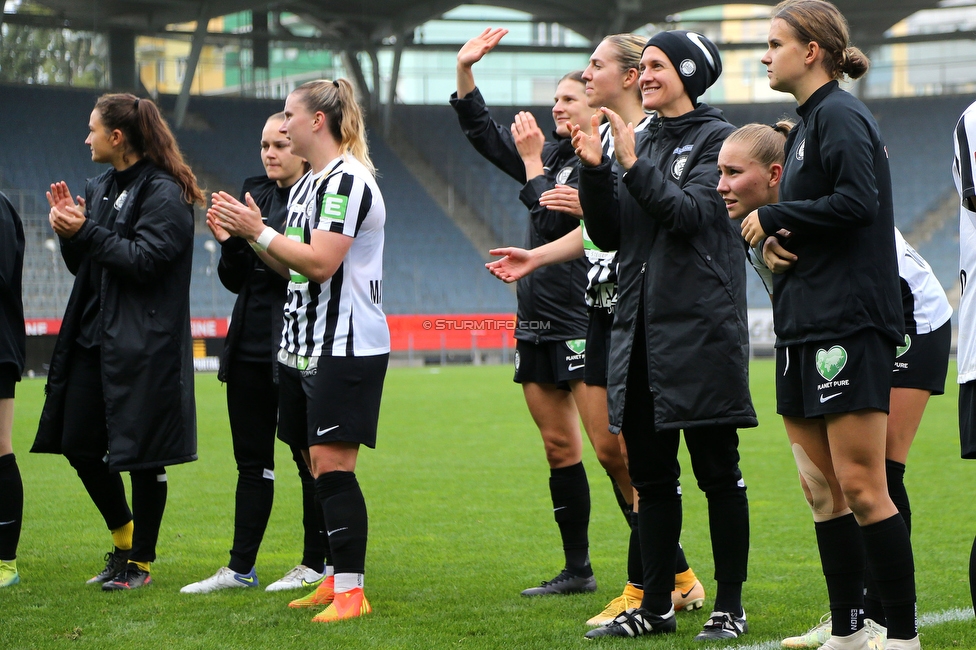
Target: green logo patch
902,349
831,362
334,207
578,346
296,233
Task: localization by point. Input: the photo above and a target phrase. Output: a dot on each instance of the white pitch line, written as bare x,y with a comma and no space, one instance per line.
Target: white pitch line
924,620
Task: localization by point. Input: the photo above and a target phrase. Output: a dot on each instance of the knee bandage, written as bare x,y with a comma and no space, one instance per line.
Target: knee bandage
821,499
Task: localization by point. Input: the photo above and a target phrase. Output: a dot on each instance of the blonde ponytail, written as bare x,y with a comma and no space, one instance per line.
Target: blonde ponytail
337,100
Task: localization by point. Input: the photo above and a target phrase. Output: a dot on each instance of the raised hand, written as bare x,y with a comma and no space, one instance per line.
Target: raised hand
529,138
589,149
623,139
475,49
59,196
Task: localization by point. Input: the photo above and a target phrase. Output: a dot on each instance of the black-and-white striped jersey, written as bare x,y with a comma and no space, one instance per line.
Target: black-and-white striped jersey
964,145
342,317
601,279
926,306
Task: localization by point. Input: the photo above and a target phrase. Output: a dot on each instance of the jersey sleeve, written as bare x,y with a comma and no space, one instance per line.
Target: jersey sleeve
965,156
343,203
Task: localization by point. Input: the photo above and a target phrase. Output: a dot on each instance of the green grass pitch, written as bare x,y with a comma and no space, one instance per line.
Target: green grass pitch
460,522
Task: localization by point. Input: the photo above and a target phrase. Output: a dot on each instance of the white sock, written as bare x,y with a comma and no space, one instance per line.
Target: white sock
348,581
329,570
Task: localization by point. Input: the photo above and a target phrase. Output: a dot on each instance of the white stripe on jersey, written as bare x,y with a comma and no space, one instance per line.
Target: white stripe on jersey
343,316
964,146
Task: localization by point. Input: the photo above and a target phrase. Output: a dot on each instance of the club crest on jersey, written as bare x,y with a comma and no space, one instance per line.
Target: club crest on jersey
563,175
799,150
687,67
678,166
119,202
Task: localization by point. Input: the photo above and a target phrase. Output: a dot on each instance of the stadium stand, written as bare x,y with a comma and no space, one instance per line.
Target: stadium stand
430,266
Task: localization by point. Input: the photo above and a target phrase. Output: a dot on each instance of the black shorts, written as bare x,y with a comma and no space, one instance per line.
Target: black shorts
834,376
923,361
967,420
598,346
551,362
8,380
339,403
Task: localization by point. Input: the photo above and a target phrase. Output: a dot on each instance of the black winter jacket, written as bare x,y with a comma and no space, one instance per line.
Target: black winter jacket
146,348
239,269
835,199
680,257
552,295
13,340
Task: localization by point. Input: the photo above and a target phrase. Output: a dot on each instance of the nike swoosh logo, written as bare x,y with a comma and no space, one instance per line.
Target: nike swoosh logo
248,580
685,594
829,397
322,432
572,368
559,508
330,532
7,523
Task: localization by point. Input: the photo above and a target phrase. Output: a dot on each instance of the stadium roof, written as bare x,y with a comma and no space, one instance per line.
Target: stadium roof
360,24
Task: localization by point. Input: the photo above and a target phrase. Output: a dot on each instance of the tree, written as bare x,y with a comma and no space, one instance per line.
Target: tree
50,56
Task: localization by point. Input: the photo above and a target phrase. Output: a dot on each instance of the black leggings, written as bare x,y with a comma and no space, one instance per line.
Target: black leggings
84,443
252,407
654,471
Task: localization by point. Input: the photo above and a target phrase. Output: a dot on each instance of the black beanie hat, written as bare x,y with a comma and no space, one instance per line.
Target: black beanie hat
695,57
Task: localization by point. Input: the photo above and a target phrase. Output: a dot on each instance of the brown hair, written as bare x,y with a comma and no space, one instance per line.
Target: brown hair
148,135
766,141
821,22
627,49
337,99
575,75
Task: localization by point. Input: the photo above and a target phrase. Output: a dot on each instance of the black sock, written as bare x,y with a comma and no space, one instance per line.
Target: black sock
11,506
344,511
254,498
895,473
571,508
680,562
889,554
728,598
626,508
315,554
842,558
635,568
149,489
873,608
